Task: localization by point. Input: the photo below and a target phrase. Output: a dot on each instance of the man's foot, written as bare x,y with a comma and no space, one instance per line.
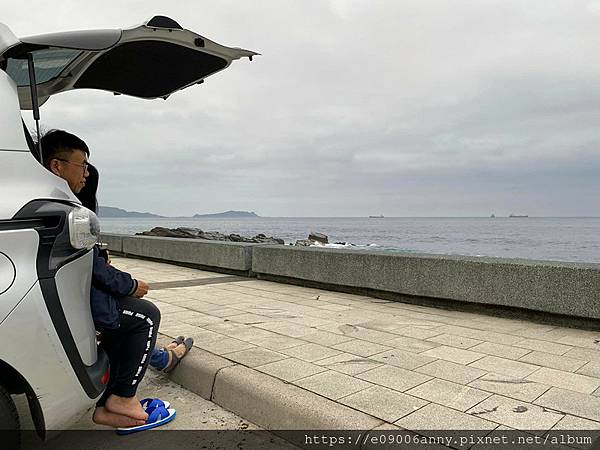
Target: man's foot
175,343
177,354
126,406
103,417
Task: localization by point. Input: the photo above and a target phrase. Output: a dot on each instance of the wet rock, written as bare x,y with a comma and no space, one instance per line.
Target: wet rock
304,243
318,237
197,233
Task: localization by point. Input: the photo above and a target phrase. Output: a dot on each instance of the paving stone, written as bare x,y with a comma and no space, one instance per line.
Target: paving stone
411,344
394,377
437,417
587,341
310,352
361,348
455,341
326,338
488,336
457,355
286,328
575,403
225,312
402,359
515,413
291,369
418,332
554,361
184,329
249,334
585,354
446,393
186,316
333,385
544,346
495,324
308,321
223,346
504,351
383,403
348,363
277,342
517,388
197,305
450,371
565,380
255,356
558,333
569,422
379,337
504,366
256,320
203,320
591,369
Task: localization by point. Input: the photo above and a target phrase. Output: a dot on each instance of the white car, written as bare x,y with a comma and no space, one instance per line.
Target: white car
48,346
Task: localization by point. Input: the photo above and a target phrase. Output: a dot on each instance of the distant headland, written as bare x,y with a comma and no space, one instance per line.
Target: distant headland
229,214
109,211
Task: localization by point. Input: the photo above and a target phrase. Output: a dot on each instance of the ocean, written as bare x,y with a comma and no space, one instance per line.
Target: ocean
545,238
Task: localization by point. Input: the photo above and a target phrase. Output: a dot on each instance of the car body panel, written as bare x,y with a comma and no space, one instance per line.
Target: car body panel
20,247
37,354
73,283
10,118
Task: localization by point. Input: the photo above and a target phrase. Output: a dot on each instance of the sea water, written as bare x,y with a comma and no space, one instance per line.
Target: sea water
545,238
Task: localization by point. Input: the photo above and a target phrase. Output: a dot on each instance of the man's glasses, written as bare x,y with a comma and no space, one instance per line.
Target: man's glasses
84,165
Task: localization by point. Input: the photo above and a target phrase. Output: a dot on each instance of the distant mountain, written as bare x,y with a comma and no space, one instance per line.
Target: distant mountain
229,214
108,211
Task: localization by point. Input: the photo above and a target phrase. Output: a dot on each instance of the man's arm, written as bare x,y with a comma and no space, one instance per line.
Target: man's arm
115,281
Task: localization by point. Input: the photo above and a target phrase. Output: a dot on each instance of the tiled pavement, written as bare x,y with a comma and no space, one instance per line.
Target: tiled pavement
413,366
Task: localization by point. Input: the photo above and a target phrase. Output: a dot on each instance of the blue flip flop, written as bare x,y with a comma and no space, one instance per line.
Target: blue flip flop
150,404
158,417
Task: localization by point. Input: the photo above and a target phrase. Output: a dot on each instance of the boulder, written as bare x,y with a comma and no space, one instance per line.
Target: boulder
303,243
318,237
197,233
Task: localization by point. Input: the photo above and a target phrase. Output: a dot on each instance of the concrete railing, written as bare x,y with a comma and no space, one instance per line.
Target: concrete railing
561,288
230,256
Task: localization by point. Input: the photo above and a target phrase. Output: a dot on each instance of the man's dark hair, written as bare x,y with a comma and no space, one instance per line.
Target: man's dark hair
57,143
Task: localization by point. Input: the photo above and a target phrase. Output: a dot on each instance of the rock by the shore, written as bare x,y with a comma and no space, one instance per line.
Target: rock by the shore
197,233
318,237
313,239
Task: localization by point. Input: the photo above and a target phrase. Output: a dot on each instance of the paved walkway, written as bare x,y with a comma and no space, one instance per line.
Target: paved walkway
415,367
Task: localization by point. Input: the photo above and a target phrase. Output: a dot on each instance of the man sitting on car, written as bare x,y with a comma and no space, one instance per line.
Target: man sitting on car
128,323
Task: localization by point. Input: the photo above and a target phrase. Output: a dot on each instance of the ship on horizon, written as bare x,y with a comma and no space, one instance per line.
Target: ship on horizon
517,215
380,216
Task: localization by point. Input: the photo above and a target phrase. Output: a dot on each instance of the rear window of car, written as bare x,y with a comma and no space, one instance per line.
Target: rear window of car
48,63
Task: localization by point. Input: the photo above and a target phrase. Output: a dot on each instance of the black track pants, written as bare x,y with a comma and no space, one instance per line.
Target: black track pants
129,346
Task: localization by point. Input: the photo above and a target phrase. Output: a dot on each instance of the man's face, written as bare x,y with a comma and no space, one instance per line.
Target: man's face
72,167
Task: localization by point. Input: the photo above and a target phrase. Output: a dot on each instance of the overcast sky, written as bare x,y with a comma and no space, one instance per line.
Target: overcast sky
356,107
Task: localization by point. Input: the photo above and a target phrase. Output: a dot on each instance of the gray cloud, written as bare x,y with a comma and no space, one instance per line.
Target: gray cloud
357,107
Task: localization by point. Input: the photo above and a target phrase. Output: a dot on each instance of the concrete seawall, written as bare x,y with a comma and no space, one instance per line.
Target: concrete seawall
571,289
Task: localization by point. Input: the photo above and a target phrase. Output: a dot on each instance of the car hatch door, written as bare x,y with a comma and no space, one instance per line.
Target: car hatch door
151,60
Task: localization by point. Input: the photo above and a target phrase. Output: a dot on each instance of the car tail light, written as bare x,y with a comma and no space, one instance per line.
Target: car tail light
84,228
106,376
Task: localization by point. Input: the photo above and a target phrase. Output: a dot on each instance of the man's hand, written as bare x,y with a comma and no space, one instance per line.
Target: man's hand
142,289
